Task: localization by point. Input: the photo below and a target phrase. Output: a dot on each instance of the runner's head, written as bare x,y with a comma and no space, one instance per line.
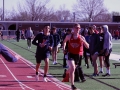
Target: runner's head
76,28
46,29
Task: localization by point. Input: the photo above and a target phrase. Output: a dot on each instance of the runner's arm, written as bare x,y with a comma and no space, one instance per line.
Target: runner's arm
85,42
65,41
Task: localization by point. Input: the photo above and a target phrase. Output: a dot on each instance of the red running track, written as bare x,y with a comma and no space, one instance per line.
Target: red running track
21,76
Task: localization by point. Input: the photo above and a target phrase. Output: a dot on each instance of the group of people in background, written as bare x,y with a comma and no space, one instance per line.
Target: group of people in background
91,43
94,42
27,34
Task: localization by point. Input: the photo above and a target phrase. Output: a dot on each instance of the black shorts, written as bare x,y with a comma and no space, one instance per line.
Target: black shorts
101,54
41,57
75,57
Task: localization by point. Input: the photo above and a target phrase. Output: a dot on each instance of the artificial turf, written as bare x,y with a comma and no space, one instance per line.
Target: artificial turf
96,83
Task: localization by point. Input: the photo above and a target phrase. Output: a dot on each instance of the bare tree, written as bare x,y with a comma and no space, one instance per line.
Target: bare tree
33,9
63,14
89,10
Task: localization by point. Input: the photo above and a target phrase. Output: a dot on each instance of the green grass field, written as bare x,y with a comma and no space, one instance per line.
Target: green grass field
97,83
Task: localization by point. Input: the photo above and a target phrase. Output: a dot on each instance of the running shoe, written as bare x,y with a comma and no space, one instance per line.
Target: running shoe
107,74
101,72
94,74
73,87
44,79
37,77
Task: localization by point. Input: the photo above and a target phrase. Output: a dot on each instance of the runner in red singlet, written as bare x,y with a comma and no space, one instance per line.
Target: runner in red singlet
75,49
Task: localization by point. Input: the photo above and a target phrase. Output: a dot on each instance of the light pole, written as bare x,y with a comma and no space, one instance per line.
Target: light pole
3,10
74,17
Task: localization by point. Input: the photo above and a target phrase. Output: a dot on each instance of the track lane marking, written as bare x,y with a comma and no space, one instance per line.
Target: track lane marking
20,83
60,85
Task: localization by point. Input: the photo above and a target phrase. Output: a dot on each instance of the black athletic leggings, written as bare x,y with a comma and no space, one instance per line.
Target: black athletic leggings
107,61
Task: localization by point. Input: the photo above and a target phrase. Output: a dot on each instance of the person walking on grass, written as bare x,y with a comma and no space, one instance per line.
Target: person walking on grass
107,47
75,49
94,49
44,42
17,35
101,52
29,35
56,39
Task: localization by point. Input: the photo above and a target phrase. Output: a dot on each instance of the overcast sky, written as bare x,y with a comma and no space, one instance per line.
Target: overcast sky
111,5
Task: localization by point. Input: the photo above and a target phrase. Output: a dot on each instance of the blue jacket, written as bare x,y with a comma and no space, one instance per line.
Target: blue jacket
56,39
94,43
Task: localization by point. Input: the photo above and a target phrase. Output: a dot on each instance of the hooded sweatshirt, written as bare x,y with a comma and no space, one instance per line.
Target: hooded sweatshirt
107,38
29,33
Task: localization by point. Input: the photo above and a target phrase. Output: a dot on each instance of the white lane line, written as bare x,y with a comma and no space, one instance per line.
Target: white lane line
2,76
29,77
31,65
20,83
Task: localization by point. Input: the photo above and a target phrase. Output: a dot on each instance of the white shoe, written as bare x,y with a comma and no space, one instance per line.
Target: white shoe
37,77
45,79
55,62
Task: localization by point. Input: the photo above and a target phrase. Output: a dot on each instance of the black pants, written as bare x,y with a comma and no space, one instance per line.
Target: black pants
18,38
107,61
79,73
64,61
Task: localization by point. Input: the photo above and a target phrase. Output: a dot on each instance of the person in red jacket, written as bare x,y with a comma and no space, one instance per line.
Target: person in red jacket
75,49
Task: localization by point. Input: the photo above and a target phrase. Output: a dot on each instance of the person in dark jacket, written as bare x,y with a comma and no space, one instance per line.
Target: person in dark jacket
44,42
101,53
56,39
7,55
68,32
94,49
17,34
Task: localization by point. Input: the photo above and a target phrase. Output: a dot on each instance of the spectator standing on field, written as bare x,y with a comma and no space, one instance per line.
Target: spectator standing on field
94,49
101,52
29,35
17,35
107,46
56,39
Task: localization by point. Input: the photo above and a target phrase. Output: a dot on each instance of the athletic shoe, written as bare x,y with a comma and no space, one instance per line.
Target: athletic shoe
87,66
83,80
101,72
94,74
107,74
45,79
37,77
73,87
54,63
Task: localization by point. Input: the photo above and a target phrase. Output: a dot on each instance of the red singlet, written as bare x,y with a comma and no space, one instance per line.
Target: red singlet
75,46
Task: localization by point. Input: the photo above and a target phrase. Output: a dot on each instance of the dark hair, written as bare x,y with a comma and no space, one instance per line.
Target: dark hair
45,26
53,28
69,30
99,28
90,27
76,24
